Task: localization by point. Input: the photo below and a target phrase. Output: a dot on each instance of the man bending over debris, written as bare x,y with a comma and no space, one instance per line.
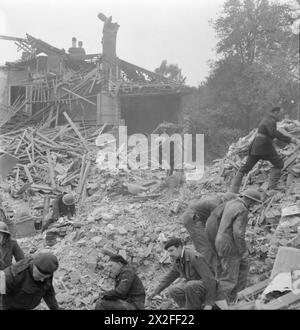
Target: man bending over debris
194,220
262,148
198,289
129,292
63,206
30,280
231,246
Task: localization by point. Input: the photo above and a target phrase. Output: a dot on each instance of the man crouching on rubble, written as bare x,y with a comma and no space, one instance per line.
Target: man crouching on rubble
129,292
63,206
199,288
29,281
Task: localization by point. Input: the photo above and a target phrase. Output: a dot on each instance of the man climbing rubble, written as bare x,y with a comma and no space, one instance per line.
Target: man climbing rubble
29,281
198,289
194,220
262,148
129,292
231,246
63,206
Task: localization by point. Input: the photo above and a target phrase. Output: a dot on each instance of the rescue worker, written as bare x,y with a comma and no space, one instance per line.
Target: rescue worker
199,287
6,220
194,220
9,248
129,292
231,245
262,148
63,206
30,280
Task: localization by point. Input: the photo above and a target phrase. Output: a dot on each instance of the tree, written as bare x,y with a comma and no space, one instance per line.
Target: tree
256,68
257,65
170,71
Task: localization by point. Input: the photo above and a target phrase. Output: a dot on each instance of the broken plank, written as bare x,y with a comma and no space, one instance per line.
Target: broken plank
51,169
78,96
28,173
291,159
85,175
76,130
253,290
282,302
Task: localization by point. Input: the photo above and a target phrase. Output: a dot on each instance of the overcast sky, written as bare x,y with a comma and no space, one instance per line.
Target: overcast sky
150,30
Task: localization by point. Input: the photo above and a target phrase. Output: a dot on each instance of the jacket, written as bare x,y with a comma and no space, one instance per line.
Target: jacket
61,210
213,223
9,250
129,287
201,209
262,145
230,238
191,266
23,292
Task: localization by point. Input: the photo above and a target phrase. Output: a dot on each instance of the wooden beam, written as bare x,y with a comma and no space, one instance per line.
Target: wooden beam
28,173
84,142
79,96
51,169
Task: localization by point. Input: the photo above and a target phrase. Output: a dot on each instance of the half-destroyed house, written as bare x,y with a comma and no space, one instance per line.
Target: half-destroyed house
92,89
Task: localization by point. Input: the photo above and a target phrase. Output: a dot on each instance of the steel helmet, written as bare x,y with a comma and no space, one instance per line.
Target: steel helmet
252,194
68,199
4,228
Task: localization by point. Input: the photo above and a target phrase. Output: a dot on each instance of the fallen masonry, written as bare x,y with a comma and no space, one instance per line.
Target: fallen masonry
111,220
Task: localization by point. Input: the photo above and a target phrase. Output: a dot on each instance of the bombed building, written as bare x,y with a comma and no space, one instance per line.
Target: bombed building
92,89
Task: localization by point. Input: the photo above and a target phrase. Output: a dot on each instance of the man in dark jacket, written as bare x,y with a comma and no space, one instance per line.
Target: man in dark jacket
63,206
231,245
194,220
262,148
9,248
129,292
198,290
29,281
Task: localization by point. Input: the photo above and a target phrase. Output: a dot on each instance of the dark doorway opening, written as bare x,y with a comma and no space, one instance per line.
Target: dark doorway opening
142,114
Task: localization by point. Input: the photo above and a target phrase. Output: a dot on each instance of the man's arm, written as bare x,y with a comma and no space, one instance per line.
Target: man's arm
123,287
17,252
167,280
49,298
207,277
274,133
239,230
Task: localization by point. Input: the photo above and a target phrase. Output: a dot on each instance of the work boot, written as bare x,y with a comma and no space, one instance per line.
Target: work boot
274,178
236,182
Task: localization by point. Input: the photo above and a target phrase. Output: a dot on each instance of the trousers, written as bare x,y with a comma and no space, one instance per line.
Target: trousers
234,276
189,295
251,160
199,238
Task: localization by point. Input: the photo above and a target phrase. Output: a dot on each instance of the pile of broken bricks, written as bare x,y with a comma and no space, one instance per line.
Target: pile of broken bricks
133,212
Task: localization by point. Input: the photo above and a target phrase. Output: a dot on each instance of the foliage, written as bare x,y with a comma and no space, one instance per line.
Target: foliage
256,69
170,71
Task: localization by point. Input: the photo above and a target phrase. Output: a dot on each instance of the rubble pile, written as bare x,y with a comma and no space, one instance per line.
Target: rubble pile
133,212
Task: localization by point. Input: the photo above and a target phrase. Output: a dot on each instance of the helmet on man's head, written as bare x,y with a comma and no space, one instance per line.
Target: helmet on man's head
68,199
252,194
4,228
